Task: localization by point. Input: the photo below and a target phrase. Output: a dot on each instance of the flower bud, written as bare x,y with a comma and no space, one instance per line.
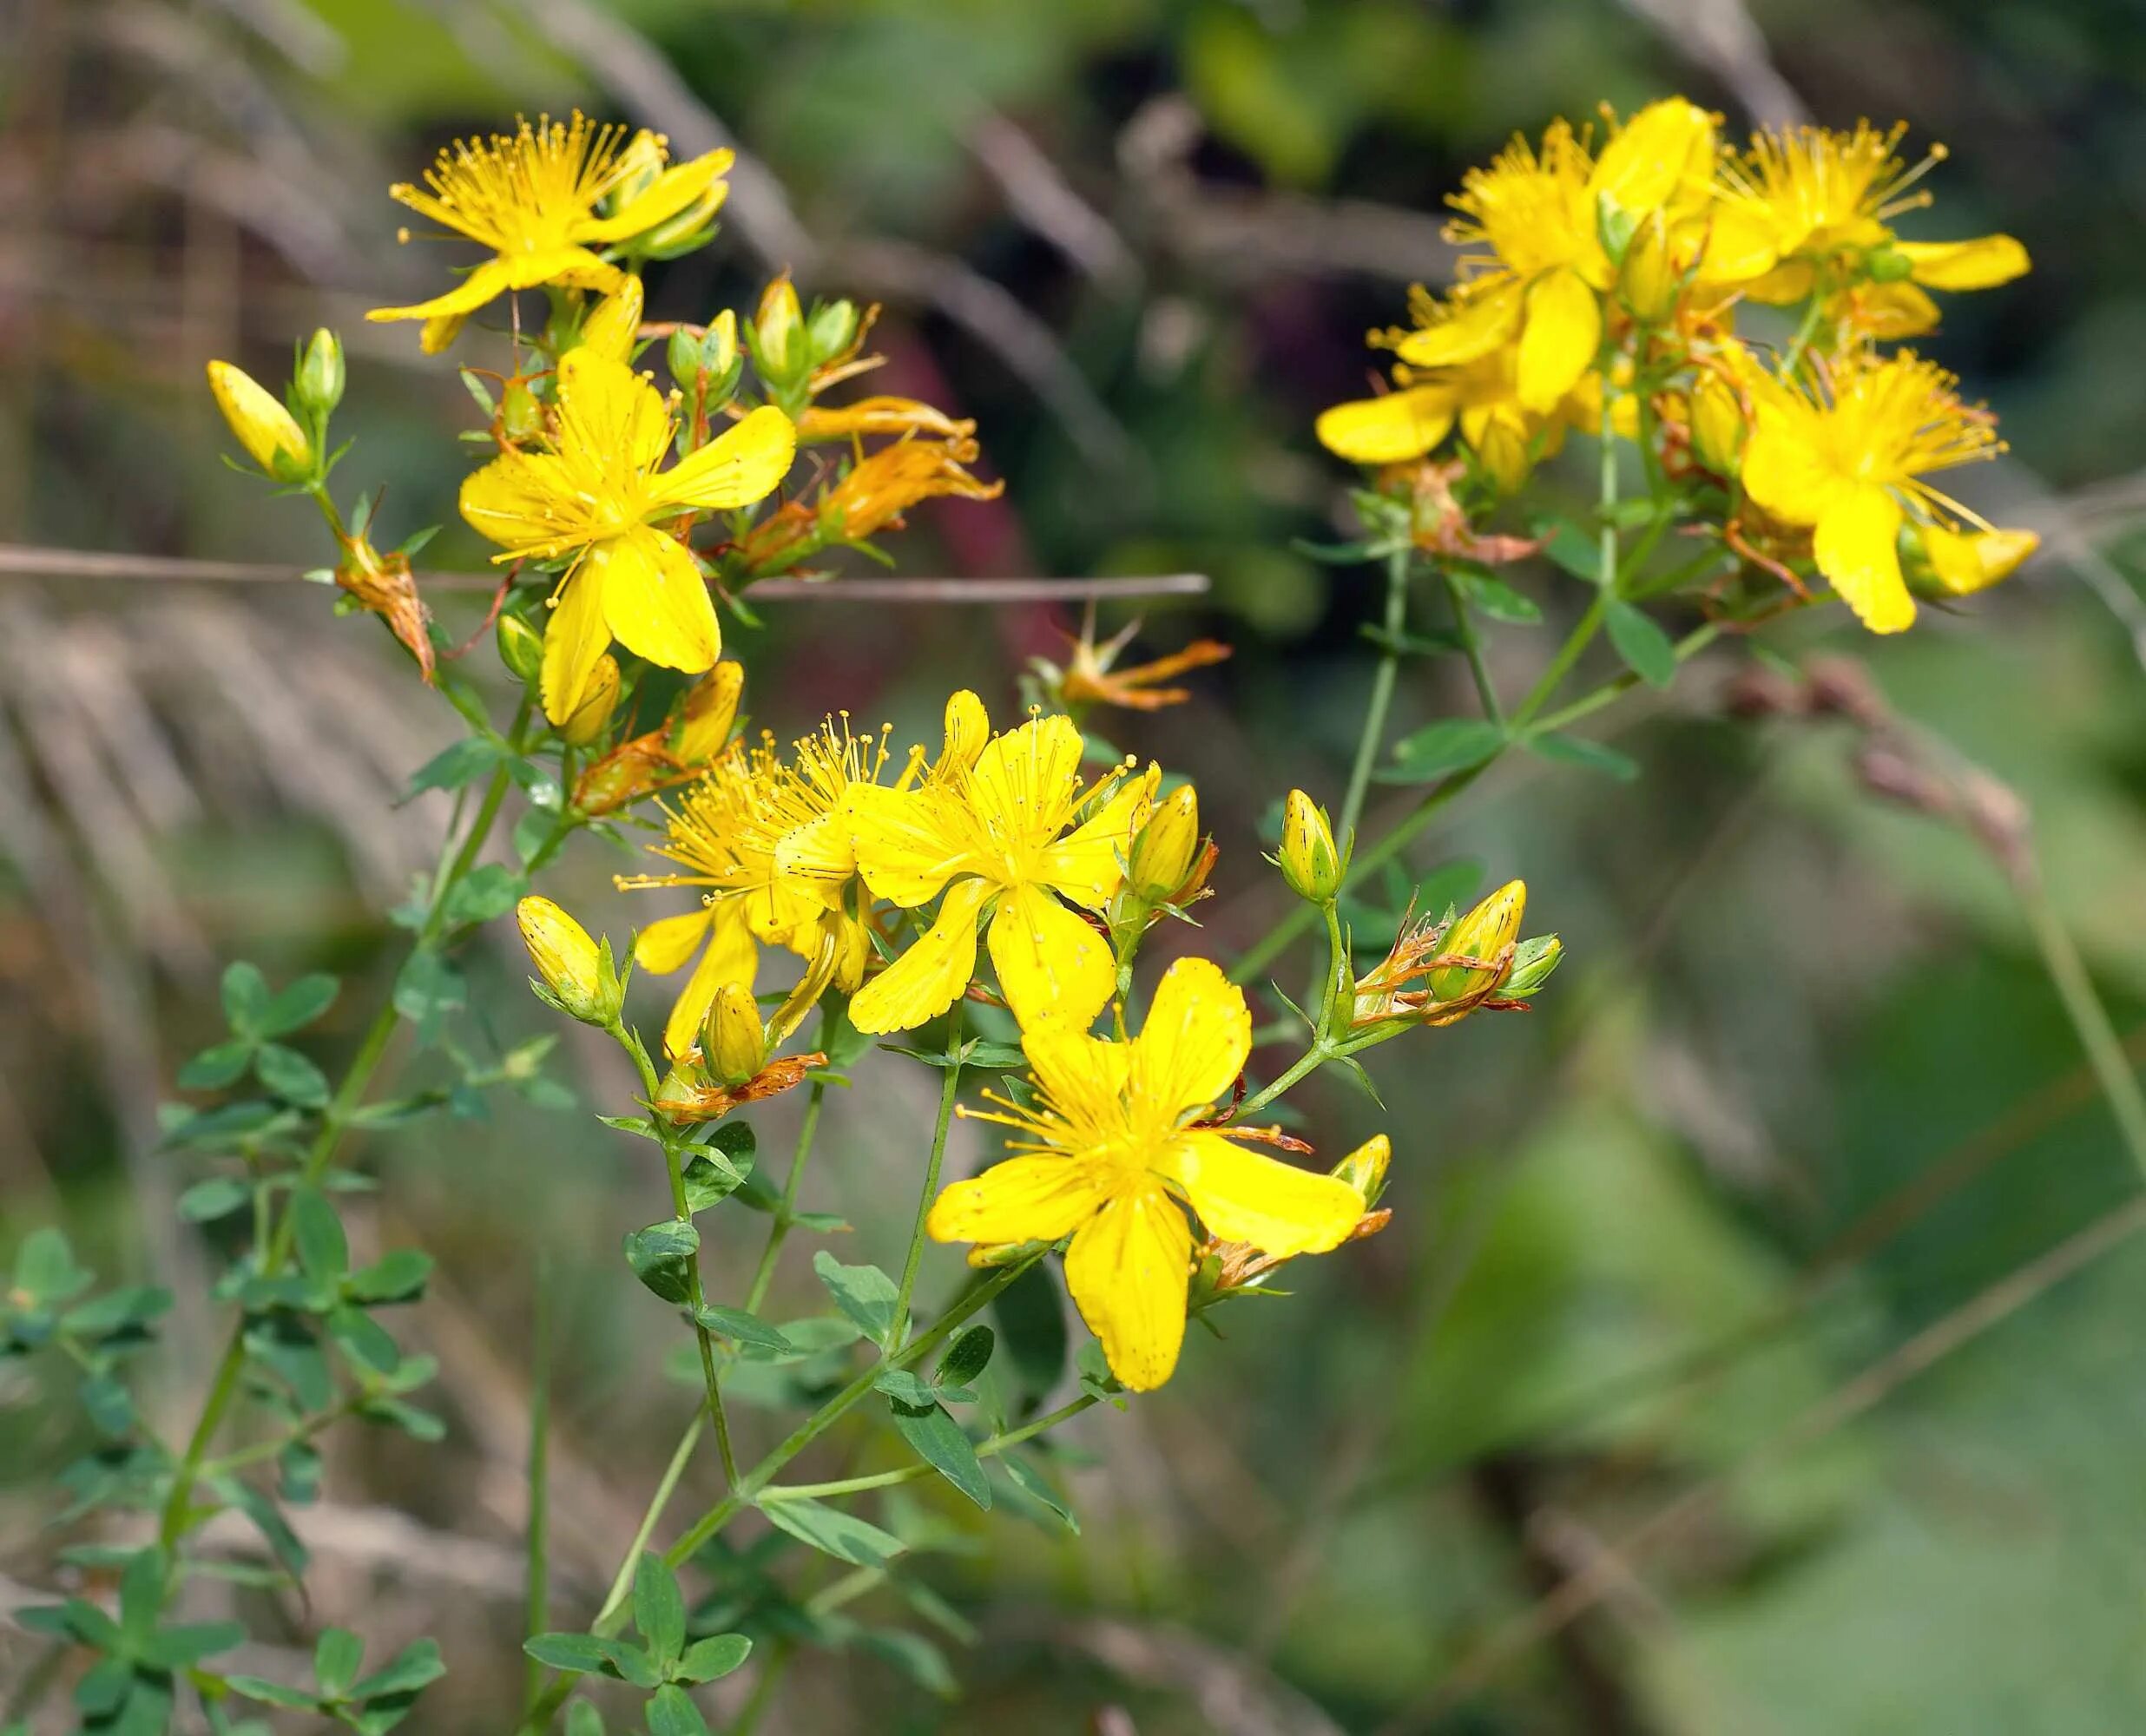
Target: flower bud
319,378
779,336
269,431
635,169
573,973
1484,933
719,349
588,719
1502,449
520,648
1648,279
521,416
711,710
1162,852
830,331
1533,962
1717,426
733,1044
1308,860
1365,1169
968,728
614,323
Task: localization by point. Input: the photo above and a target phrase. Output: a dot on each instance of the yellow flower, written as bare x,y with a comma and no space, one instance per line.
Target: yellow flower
1113,1155
727,834
594,497
269,431
532,196
1805,199
1848,460
999,831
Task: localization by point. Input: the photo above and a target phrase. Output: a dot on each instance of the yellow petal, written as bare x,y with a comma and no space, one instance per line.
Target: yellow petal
656,600
1049,962
909,843
610,413
1742,244
574,639
1024,1198
1082,1076
1476,326
1245,1196
1026,781
440,331
1666,147
1784,473
612,325
1390,428
1087,864
818,853
1890,312
1982,263
669,942
575,267
671,193
489,281
1128,1269
731,958
932,974
739,466
1967,561
1197,1039
1855,543
525,502
1563,331
1789,282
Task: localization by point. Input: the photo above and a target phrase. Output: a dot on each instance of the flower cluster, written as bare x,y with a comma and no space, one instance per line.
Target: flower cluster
1602,289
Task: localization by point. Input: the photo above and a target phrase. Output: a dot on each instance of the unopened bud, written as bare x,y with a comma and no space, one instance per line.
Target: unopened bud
635,173
1717,426
1365,1169
573,973
968,728
733,1043
1308,860
520,648
1506,451
612,326
521,416
1648,279
719,349
833,325
1484,933
319,376
1534,961
588,719
711,710
1888,264
269,431
1162,852
779,337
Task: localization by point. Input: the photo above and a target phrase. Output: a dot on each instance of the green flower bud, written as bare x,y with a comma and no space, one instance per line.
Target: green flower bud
831,328
779,337
1365,1169
520,648
1534,961
319,378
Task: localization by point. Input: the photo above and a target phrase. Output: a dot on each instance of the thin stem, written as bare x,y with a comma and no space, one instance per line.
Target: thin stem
1373,734
622,1583
911,1473
2083,1003
1613,689
778,1232
949,1084
763,1694
537,1603
1471,648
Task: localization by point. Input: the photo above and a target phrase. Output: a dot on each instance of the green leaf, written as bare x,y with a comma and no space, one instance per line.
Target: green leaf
417,1664
967,1356
44,1266
835,1532
109,1405
245,997
104,1689
718,1656
629,1663
337,1654
906,1386
141,1587
672,1712
295,1007
710,1179
271,1693
1032,1483
662,1257
218,1197
291,1076
1499,600
427,989
940,1442
1030,1312
129,1306
867,1294
214,1069
1592,756
1647,650
397,1276
1569,547
582,1653
1423,642
449,769
741,1327
484,893
915,1656
369,1345
182,1646
583,1719
323,1252
659,1610
1452,744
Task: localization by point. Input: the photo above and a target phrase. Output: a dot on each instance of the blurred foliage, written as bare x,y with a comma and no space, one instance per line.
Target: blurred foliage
1631,1247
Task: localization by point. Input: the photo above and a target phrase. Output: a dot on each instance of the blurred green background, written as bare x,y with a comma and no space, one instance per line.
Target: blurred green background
1625,1425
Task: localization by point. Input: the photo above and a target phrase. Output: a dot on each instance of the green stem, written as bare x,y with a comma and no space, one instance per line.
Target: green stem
536,1619
622,1581
949,1084
2083,1003
778,1232
1613,689
763,1694
912,1473
1373,734
1471,648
